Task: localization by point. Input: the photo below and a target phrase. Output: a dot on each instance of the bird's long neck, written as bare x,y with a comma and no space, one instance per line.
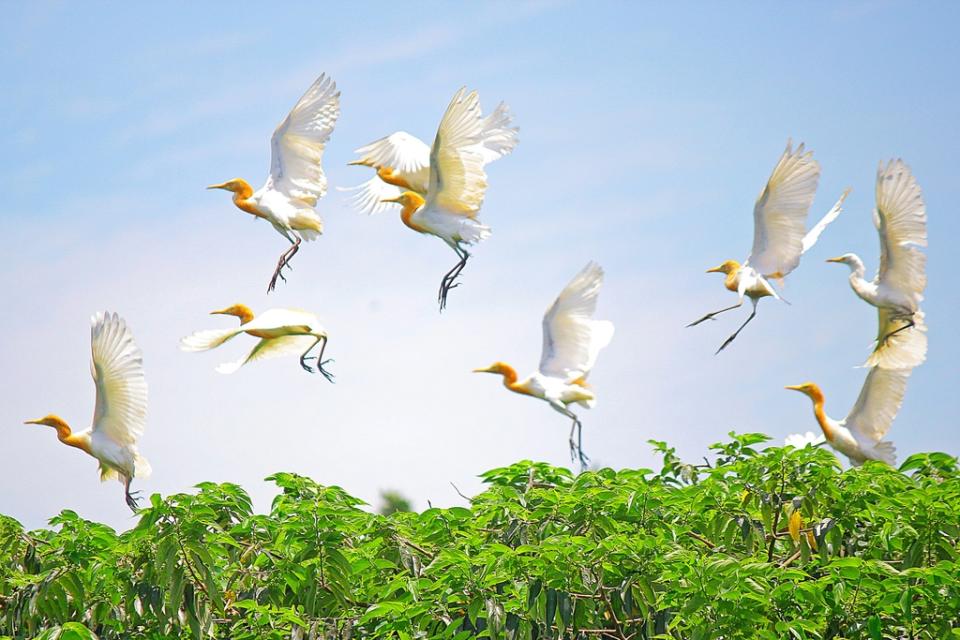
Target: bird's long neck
510,380
733,276
817,397
244,313
857,269
241,198
67,437
413,204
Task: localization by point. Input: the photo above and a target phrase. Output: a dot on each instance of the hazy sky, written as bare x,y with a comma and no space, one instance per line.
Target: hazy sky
646,132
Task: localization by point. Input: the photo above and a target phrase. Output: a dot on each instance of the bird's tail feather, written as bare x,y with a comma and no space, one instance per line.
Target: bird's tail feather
472,232
886,452
206,339
142,468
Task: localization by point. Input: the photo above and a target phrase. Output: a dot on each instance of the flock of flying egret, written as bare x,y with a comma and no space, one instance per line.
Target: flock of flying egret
439,189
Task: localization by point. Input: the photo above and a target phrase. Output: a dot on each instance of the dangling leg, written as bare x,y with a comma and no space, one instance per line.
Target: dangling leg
284,262
576,448
710,316
737,332
131,498
449,279
320,361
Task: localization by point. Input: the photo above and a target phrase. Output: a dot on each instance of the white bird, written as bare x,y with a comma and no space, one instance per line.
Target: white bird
896,291
860,435
779,233
120,413
801,440
296,180
281,332
572,340
440,189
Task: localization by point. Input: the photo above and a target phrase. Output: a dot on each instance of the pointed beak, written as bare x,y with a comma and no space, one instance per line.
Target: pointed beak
837,259
484,370
398,199
794,387
222,185
33,422
219,312
715,269
359,163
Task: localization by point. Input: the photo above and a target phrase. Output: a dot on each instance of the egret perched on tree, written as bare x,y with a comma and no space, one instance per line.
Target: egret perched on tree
572,339
860,435
296,180
281,332
779,233
121,407
440,190
901,221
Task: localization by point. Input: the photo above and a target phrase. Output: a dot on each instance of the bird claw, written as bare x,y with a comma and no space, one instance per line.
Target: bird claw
132,500
326,374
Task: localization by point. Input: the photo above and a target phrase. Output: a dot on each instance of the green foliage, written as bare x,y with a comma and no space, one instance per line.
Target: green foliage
771,543
392,501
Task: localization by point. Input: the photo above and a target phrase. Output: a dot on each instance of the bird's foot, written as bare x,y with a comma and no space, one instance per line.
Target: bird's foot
709,316
725,344
320,367
303,363
132,499
577,455
273,280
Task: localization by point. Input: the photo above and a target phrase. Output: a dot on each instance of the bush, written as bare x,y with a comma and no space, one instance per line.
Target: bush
775,543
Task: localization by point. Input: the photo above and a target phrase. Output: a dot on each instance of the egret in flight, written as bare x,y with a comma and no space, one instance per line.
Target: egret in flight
296,180
281,332
860,435
440,189
901,221
120,412
572,339
779,233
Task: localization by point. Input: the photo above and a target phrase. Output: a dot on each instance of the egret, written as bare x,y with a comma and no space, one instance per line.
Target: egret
901,221
779,222
860,435
572,340
441,192
281,332
296,180
120,412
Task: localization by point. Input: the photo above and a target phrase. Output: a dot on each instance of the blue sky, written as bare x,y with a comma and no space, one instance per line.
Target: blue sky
647,131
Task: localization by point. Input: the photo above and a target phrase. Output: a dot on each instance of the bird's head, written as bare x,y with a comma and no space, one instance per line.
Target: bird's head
847,258
407,199
50,420
728,267
808,389
237,185
241,311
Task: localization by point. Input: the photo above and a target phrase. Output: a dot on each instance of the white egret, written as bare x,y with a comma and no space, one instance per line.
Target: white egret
296,180
121,406
779,233
572,340
860,435
281,332
896,291
441,194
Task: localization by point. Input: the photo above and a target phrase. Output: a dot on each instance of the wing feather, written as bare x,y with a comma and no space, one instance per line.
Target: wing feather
270,348
117,369
298,143
814,234
901,222
572,339
878,403
407,155
457,179
780,213
906,349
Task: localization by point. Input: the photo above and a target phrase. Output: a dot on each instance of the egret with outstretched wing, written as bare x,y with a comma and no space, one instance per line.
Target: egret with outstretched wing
572,340
296,179
860,435
779,233
121,407
897,290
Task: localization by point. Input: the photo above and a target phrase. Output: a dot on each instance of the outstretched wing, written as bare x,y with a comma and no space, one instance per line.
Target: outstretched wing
117,369
405,156
901,221
297,144
498,138
814,234
572,339
780,213
903,349
878,403
457,179
270,348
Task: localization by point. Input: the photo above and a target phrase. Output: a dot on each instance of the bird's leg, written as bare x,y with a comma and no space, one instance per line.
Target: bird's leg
131,498
449,279
710,316
910,323
320,361
576,448
284,261
737,332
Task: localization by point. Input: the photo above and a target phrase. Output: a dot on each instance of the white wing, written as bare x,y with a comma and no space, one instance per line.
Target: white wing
407,155
117,369
457,180
498,137
277,318
780,213
901,221
270,348
297,144
572,339
903,350
368,197
814,234
879,401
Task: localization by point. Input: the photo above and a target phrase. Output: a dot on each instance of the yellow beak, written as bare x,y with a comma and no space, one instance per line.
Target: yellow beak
838,259
33,422
794,387
219,311
398,200
359,163
486,370
222,185
715,269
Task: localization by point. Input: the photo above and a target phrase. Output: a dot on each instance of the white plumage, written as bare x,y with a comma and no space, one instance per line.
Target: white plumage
896,291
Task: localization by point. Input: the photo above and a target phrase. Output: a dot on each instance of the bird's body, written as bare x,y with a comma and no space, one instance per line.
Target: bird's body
281,332
780,235
440,188
860,435
121,406
296,179
572,340
896,291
